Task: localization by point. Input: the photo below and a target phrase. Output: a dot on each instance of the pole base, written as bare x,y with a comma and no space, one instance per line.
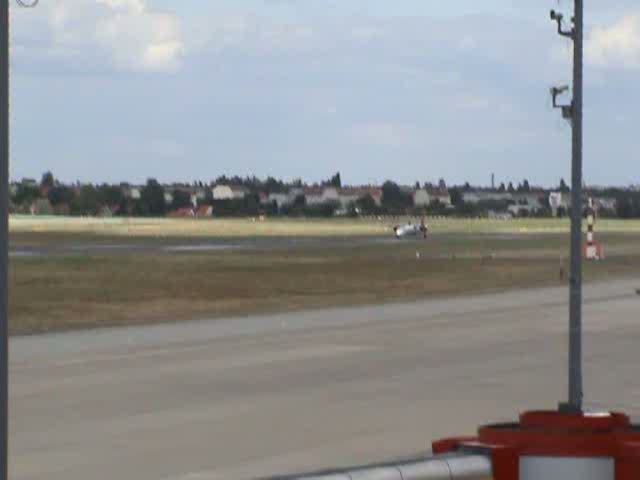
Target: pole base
551,441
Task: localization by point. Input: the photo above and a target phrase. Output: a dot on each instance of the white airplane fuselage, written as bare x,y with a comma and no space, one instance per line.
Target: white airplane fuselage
410,230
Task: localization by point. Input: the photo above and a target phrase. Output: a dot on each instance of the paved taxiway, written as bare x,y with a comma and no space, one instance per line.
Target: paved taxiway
242,398
161,246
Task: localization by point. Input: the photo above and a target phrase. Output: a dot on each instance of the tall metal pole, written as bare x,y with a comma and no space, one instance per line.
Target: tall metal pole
4,237
573,113
575,304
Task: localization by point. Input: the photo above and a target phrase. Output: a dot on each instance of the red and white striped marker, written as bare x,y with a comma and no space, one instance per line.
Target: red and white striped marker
557,446
593,250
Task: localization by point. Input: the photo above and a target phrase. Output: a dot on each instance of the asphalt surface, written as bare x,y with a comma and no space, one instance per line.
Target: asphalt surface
165,246
160,246
252,397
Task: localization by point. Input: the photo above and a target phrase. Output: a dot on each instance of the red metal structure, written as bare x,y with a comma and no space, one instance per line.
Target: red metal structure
590,446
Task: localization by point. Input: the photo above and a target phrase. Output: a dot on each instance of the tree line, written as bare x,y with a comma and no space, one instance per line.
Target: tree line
50,196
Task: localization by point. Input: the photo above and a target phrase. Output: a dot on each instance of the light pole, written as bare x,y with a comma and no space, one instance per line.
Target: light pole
4,237
573,113
4,232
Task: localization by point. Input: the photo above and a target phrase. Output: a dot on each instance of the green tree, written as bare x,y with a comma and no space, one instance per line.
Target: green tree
87,202
251,204
47,180
456,197
436,207
181,199
394,199
300,201
111,195
152,199
563,186
271,185
336,181
61,195
624,208
26,195
366,204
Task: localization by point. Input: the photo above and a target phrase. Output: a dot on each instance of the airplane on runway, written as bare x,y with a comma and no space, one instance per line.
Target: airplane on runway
411,230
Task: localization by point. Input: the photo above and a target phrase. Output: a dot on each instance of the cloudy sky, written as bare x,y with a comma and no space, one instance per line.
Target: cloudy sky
115,90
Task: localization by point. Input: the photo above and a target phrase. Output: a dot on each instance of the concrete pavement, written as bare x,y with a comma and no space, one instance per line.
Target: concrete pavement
242,398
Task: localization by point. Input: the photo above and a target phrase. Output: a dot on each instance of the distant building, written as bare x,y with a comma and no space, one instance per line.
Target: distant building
532,199
294,194
29,182
229,192
200,193
351,195
280,199
605,204
361,192
222,192
421,198
321,195
133,193
475,197
471,197
440,195
560,202
526,204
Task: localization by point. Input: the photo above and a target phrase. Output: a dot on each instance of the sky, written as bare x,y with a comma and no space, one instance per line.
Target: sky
410,90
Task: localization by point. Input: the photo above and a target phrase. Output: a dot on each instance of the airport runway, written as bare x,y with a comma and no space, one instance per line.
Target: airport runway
161,246
243,398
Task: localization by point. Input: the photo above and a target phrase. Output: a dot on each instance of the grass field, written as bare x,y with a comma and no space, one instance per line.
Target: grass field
68,292
54,292
250,227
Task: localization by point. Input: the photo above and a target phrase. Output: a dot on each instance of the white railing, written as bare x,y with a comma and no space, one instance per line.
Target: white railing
448,467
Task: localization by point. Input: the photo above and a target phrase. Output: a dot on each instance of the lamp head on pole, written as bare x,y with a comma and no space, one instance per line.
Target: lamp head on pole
28,3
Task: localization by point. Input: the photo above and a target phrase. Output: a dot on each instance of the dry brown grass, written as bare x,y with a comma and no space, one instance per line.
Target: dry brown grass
252,227
57,292
197,228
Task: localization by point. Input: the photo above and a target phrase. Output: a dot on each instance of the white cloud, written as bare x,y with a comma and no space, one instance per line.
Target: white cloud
125,34
616,46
